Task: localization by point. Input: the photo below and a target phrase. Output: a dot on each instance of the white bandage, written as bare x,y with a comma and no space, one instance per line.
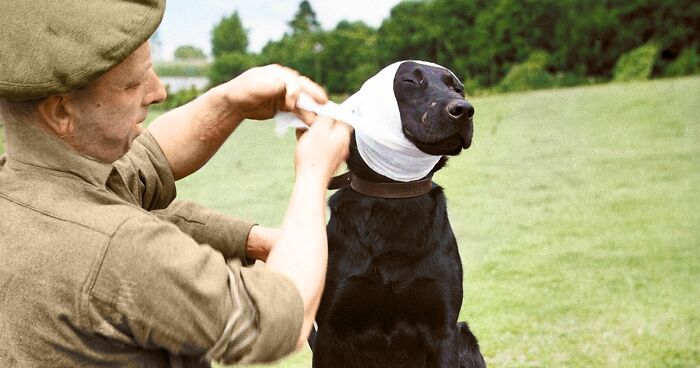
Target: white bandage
374,114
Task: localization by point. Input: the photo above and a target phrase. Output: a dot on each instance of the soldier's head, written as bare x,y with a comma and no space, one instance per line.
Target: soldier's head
80,70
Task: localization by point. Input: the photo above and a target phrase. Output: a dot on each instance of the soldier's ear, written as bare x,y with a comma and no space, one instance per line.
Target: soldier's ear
56,115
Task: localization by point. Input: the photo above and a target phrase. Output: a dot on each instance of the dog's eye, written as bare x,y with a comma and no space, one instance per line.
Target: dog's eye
457,88
412,81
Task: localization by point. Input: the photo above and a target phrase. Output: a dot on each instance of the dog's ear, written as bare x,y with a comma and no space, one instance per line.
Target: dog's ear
441,164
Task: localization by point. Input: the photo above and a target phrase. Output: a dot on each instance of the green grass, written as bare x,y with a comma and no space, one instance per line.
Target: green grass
577,212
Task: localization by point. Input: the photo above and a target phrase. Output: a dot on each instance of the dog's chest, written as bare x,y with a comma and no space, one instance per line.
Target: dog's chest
389,261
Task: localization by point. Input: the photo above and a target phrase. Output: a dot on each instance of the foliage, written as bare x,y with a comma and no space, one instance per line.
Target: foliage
229,36
481,40
349,56
228,66
304,20
485,41
408,33
301,47
506,32
181,68
530,74
189,52
179,98
341,59
636,64
297,51
688,62
229,45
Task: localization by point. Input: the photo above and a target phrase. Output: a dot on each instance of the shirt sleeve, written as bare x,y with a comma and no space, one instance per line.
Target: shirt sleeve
158,288
226,234
143,176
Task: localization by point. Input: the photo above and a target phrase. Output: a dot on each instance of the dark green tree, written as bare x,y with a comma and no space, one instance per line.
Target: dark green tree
671,24
297,52
507,32
482,40
408,33
349,56
229,36
229,44
456,34
543,43
188,52
304,20
229,65
301,47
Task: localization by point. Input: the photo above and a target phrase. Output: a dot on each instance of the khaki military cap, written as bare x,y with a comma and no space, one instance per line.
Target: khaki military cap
55,46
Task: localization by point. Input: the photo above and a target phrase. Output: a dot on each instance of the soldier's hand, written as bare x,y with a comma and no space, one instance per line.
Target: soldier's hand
260,241
262,91
321,149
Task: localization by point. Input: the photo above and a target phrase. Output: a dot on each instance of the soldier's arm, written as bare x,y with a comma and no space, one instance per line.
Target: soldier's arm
158,289
233,237
191,134
302,250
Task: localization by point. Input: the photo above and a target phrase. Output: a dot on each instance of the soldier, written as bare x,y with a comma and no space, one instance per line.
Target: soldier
99,265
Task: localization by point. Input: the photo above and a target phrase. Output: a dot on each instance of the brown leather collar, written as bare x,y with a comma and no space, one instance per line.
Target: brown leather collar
382,190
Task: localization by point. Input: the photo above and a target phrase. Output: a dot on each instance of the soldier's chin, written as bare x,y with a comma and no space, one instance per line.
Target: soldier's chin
135,133
137,130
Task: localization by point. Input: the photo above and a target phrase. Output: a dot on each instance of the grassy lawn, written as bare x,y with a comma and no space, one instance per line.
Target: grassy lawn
577,212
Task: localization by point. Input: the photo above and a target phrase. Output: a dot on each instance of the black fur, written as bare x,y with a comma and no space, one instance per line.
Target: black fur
394,284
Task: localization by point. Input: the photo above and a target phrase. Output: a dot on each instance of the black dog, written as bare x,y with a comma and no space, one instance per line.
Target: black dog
394,284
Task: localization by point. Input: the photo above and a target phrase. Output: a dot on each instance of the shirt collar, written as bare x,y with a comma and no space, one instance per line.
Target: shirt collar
30,145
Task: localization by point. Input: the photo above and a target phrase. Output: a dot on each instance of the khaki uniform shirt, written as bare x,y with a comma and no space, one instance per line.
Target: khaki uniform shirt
98,266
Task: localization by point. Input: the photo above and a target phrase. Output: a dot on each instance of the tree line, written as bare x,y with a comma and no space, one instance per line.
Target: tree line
491,44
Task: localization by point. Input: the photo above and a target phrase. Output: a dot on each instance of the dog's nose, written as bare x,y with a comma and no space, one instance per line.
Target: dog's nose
460,109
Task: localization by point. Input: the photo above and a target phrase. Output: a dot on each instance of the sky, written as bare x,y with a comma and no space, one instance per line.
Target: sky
189,22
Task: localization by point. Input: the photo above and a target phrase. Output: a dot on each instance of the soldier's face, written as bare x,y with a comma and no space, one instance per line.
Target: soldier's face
110,111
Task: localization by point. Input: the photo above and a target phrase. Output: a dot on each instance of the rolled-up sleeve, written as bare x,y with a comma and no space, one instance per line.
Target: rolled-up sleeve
158,288
226,234
143,176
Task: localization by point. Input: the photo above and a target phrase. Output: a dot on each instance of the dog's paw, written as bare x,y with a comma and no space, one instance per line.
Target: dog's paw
469,353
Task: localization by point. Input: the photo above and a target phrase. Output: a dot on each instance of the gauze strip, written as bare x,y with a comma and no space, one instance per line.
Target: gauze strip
374,114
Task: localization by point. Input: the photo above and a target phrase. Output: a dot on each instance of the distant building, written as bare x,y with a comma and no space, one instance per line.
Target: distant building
177,84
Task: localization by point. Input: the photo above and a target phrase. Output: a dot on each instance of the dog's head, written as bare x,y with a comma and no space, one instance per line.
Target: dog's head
413,115
435,116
